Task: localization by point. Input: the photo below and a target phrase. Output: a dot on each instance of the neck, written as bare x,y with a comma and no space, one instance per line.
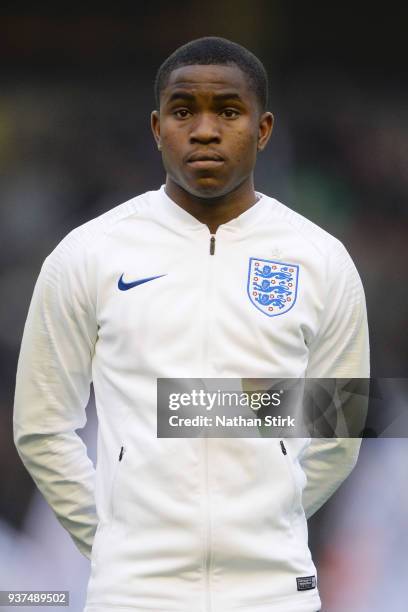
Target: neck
214,211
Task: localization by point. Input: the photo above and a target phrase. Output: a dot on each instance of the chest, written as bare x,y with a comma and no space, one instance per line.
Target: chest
186,306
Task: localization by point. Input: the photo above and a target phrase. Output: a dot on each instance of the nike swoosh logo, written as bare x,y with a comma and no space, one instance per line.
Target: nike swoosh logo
125,286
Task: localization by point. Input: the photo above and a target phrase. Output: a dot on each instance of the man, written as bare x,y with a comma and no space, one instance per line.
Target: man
161,286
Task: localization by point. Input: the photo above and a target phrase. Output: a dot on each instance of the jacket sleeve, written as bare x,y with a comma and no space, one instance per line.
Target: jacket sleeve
52,391
339,350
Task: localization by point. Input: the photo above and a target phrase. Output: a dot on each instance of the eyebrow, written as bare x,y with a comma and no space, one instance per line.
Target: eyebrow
184,95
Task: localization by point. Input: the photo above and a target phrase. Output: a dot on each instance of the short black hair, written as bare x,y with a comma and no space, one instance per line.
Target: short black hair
215,50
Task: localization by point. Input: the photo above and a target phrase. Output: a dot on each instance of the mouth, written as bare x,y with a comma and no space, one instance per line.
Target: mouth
205,160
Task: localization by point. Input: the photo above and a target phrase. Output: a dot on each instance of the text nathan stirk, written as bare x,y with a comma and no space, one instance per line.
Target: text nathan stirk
235,421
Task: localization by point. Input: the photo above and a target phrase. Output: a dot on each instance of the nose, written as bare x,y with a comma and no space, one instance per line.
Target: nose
205,129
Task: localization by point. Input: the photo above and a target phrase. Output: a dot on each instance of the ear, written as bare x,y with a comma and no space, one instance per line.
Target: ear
155,125
265,130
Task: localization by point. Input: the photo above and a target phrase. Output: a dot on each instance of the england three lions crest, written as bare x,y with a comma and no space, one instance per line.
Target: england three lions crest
272,285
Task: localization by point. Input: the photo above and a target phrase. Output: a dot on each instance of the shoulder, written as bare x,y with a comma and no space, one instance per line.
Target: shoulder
334,260
90,236
307,234
302,229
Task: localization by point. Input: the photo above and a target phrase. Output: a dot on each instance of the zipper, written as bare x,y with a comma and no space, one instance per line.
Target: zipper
207,517
291,469
208,311
115,482
212,244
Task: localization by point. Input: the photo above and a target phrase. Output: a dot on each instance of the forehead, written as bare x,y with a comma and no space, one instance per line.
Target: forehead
208,79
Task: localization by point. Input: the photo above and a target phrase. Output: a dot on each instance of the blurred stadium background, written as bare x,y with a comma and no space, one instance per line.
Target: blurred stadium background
75,99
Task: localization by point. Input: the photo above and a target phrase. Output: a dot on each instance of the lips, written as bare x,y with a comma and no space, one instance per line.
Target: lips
205,156
207,159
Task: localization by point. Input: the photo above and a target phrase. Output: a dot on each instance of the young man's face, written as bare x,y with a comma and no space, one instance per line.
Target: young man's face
209,129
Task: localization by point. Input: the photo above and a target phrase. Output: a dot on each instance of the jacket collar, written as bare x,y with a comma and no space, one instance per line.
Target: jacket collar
176,215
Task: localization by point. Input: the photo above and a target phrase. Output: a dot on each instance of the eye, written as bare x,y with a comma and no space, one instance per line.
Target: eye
181,113
230,113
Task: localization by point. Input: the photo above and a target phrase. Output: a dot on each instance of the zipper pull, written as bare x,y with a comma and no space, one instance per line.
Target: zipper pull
122,450
284,451
212,245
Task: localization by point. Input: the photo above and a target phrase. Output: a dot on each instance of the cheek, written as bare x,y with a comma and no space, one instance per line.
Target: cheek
171,150
169,143
172,138
244,147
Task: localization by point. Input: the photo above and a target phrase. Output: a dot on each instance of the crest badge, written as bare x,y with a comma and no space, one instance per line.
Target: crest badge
272,285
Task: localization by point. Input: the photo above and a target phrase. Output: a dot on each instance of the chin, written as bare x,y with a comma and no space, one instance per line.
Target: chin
207,189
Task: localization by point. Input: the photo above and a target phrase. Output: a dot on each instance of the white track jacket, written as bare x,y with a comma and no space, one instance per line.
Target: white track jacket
186,525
